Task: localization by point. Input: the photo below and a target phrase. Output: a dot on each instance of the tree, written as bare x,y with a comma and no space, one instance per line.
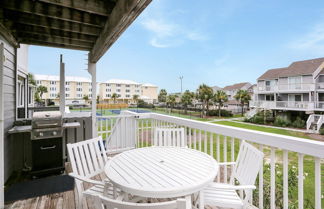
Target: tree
114,96
86,98
162,95
220,98
41,90
243,97
186,99
171,101
204,94
135,99
31,79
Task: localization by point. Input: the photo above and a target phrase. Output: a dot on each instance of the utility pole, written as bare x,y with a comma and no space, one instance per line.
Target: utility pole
181,77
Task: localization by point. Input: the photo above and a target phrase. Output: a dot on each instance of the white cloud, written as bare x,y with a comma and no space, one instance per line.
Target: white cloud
159,27
313,40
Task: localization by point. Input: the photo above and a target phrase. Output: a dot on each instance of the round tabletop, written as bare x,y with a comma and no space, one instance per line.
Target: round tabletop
161,172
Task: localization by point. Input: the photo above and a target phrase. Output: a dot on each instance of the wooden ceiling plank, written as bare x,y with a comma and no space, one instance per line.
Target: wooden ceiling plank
53,11
98,7
51,32
48,22
124,13
53,44
22,34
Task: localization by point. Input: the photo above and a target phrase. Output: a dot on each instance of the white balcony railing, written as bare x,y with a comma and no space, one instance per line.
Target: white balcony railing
307,106
284,155
289,87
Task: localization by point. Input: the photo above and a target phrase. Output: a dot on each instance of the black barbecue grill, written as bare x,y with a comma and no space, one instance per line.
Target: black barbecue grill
47,142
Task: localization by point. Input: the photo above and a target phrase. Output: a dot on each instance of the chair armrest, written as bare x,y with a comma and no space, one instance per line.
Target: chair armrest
87,180
227,163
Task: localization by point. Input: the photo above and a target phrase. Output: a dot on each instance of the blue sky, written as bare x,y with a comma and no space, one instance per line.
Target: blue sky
217,42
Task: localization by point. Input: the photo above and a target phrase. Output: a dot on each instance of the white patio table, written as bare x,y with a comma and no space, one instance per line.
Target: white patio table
162,172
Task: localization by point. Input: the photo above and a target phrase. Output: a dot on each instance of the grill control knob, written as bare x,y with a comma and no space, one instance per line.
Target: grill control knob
41,134
54,133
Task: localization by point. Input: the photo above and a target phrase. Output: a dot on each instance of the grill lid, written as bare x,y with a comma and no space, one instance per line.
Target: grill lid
47,119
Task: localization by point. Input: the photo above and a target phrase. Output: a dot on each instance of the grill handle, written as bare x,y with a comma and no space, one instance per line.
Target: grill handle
47,148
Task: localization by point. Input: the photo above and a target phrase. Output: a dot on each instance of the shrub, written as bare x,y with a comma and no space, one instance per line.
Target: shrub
321,131
281,122
258,119
299,123
224,113
142,104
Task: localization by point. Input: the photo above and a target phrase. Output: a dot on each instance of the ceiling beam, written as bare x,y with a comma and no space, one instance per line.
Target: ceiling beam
53,11
31,41
98,7
121,17
10,16
26,34
6,33
17,27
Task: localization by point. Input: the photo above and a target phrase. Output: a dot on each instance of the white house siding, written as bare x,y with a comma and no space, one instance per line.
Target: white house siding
9,78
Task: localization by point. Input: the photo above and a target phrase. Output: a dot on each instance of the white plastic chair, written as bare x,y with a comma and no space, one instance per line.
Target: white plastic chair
88,159
245,171
169,137
102,202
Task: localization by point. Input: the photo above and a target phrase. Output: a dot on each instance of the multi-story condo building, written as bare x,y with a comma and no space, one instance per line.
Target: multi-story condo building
77,89
233,105
125,90
296,88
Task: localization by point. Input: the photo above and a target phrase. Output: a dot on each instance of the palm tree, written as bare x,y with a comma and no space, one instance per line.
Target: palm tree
220,98
135,99
31,79
171,101
114,96
186,99
205,94
86,98
41,89
243,97
162,95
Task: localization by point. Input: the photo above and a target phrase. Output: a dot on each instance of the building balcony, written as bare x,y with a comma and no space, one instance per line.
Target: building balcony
284,156
285,105
299,87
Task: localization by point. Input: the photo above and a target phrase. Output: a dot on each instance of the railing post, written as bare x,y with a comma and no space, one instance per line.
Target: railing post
261,182
300,181
318,183
273,179
285,179
1,127
92,70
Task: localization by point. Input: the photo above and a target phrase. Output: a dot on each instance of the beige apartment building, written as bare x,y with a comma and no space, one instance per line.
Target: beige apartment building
76,88
125,90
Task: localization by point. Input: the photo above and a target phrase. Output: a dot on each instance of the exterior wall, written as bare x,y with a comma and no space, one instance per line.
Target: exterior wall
9,88
71,90
151,92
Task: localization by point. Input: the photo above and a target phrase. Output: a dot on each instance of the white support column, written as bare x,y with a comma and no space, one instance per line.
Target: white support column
92,70
1,128
62,85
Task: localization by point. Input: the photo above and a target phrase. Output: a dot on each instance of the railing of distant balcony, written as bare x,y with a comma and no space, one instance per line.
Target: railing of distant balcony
292,87
222,142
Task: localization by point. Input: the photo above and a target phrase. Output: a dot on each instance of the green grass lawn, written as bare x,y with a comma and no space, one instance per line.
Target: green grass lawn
264,129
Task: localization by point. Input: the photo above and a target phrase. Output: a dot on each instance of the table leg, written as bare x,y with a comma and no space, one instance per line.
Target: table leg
201,200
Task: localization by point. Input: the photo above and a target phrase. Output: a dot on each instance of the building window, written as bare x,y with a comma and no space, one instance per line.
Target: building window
108,90
108,95
119,95
90,90
30,95
52,88
127,90
79,83
90,95
107,84
117,90
127,85
53,82
21,92
79,95
127,95
38,82
67,89
118,85
67,83
67,95
79,89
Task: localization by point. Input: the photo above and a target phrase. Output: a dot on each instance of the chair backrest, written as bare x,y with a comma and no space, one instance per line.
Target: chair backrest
248,164
169,137
107,203
88,157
